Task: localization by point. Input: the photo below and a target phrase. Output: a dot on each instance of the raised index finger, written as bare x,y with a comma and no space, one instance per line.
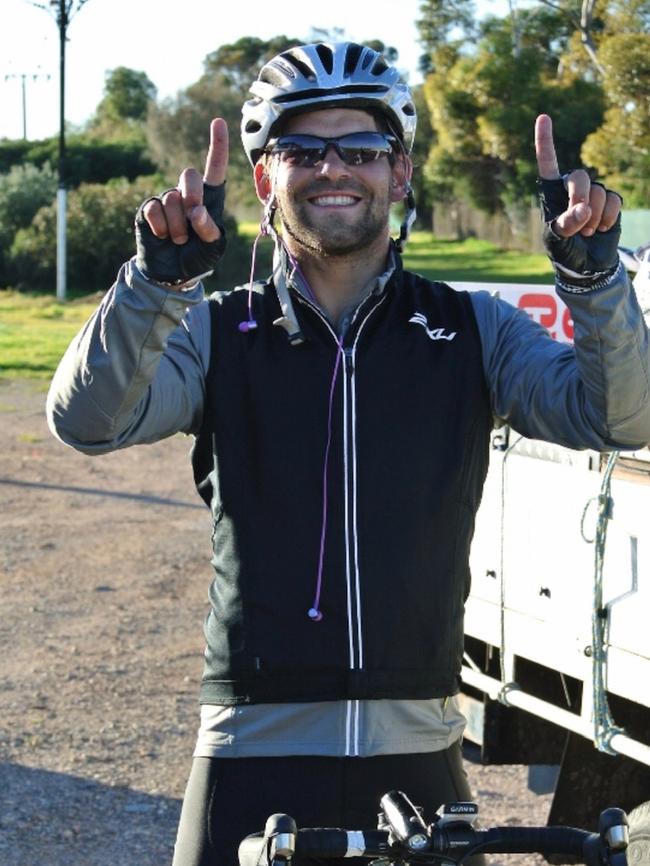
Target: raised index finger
545,148
217,159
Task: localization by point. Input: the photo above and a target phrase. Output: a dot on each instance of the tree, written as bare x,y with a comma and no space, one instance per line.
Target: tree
483,106
122,112
444,23
582,16
127,94
582,61
619,150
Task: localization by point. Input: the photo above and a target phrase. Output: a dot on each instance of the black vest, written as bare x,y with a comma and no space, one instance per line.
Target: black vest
408,454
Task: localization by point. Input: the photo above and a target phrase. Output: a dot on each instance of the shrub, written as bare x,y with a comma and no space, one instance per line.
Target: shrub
23,191
99,239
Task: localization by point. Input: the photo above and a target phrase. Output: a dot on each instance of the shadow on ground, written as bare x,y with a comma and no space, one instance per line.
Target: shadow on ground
50,817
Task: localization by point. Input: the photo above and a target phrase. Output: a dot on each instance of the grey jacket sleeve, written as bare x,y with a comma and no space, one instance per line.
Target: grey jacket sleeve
135,373
594,394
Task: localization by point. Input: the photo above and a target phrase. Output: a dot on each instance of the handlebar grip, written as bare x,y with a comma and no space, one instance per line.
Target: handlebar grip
523,840
331,842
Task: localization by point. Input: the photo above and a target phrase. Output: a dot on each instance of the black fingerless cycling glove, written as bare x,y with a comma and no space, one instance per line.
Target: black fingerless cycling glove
162,260
581,261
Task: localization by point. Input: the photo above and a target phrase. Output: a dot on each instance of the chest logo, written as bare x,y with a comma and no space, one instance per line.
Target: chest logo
432,333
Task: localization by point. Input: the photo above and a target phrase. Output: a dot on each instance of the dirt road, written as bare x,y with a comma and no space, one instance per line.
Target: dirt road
104,569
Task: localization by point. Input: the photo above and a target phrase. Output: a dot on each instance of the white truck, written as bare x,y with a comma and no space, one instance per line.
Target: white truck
557,631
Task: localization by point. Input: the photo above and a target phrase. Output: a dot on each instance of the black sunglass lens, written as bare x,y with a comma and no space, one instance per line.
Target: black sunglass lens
355,149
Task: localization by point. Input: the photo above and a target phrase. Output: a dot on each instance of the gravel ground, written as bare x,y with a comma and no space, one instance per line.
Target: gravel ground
104,568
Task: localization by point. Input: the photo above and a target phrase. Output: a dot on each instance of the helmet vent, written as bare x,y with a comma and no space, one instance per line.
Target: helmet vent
303,68
380,66
326,57
352,59
276,76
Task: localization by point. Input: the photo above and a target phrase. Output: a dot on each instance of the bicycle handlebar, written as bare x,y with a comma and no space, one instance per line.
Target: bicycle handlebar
403,837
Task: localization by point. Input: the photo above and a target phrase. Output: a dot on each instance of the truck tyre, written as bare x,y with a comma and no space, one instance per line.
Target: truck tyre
638,852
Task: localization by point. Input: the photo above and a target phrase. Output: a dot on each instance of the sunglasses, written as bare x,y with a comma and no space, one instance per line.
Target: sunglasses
306,151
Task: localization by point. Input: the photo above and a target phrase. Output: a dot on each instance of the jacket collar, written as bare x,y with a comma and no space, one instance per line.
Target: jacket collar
288,277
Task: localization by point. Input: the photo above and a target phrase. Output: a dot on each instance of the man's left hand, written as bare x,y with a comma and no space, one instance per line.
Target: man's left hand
581,218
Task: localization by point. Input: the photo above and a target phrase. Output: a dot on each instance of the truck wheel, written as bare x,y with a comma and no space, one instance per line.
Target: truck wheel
638,852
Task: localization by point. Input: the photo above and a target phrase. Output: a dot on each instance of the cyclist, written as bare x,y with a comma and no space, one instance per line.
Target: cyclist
341,411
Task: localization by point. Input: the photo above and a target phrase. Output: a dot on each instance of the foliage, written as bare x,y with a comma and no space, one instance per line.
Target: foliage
619,150
424,137
87,160
484,95
444,23
99,239
23,191
122,112
127,95
178,130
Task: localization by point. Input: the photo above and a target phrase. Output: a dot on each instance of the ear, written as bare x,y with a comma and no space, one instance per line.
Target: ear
401,178
262,181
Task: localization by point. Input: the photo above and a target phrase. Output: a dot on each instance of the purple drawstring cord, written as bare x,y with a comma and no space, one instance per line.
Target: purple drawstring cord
314,611
251,324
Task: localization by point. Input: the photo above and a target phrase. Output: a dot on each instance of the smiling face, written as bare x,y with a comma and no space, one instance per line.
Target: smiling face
332,209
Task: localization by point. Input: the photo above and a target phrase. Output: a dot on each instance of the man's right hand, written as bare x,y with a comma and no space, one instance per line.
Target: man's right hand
179,234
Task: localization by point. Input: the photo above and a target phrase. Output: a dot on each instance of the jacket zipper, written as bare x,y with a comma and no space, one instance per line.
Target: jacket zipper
353,584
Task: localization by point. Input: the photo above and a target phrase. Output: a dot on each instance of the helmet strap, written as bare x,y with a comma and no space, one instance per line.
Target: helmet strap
409,219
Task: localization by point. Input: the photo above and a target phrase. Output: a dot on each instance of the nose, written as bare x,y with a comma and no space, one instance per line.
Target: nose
332,165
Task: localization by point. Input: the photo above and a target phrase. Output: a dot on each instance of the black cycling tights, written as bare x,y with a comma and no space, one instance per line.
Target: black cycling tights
228,798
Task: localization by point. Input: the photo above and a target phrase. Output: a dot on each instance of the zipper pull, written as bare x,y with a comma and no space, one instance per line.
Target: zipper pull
349,360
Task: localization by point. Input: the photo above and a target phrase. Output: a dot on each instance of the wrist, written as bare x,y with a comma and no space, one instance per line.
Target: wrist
579,284
181,285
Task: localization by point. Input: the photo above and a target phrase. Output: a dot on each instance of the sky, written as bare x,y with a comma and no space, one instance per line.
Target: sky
168,41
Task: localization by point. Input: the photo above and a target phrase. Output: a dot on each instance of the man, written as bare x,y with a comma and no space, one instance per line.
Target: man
342,412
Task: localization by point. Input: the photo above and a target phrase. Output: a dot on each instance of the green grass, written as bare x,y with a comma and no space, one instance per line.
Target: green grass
36,329
473,260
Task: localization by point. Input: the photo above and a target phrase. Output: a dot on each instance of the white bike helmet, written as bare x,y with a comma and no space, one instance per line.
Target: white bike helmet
325,75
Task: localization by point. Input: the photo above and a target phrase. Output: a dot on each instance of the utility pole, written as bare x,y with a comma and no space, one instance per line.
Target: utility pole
63,11
62,192
23,77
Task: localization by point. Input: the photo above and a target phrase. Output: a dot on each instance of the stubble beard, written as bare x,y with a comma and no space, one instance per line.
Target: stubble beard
330,235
